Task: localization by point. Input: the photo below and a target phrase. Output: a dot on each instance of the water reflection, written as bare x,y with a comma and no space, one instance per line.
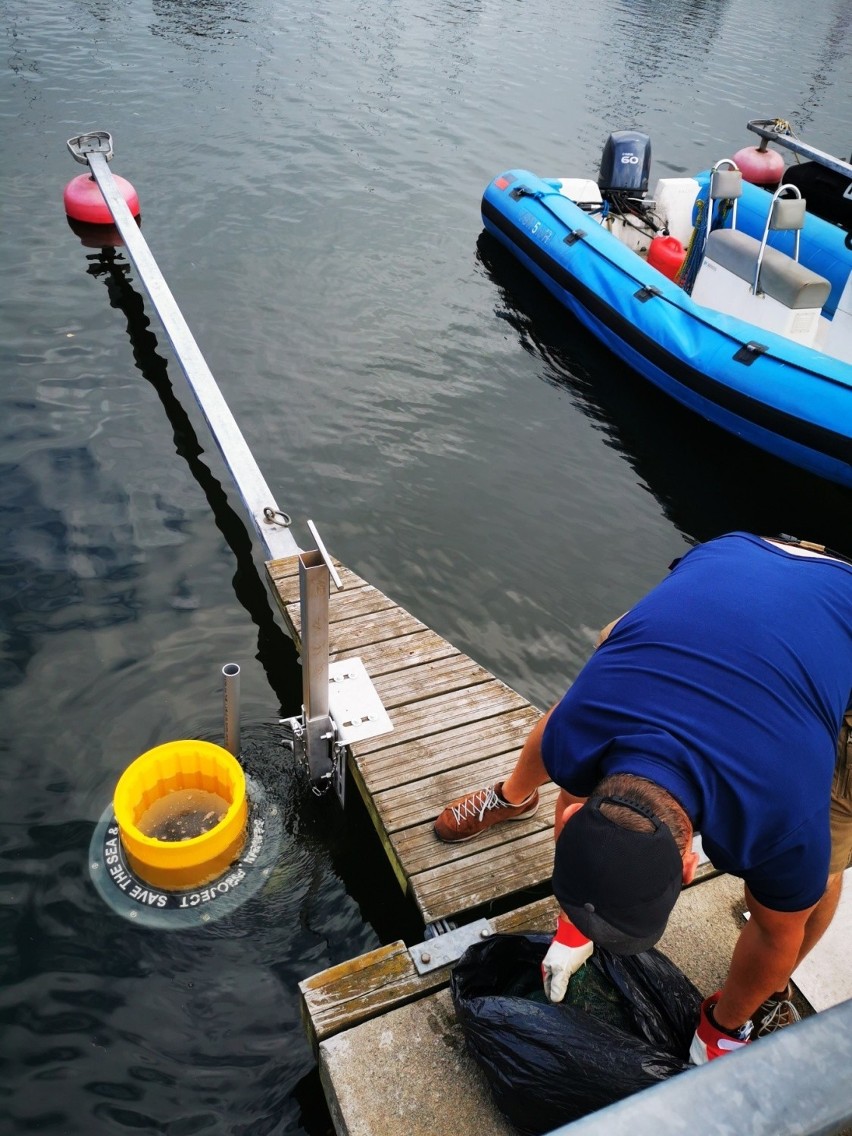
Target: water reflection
665,39
831,56
705,480
48,555
275,651
193,23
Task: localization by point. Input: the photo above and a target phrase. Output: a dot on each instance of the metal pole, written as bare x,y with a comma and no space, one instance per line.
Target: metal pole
231,707
313,596
256,494
765,127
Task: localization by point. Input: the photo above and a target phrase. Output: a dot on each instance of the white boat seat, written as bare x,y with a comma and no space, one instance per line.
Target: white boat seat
781,277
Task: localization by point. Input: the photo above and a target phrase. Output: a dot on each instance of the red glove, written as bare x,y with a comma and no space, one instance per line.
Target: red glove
712,1041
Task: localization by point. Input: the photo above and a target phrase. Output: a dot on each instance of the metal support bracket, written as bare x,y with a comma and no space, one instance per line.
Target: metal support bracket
449,947
355,713
354,704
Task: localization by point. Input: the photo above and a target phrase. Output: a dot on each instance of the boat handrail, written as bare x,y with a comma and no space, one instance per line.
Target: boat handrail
781,133
727,185
777,218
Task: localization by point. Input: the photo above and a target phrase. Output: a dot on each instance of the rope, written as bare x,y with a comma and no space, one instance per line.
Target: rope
695,249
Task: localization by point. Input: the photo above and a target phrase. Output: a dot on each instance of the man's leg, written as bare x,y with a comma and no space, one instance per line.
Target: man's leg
778,1011
841,841
529,772
822,915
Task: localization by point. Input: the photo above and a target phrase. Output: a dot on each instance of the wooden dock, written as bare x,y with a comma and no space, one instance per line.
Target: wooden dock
455,728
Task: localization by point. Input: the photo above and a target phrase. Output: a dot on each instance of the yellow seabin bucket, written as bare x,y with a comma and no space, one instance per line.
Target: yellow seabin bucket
181,811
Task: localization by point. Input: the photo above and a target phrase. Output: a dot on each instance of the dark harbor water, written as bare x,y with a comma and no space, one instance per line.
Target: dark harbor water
310,178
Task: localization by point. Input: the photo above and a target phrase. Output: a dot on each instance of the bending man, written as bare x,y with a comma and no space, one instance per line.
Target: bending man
714,705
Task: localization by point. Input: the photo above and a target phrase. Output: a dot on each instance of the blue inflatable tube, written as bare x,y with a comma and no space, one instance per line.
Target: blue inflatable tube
788,399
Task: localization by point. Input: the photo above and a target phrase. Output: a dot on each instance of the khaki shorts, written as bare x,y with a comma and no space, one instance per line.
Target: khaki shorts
841,801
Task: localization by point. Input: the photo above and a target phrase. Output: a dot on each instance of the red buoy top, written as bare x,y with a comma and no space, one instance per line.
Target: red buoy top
85,202
760,167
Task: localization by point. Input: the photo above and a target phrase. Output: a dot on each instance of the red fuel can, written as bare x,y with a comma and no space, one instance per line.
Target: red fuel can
666,254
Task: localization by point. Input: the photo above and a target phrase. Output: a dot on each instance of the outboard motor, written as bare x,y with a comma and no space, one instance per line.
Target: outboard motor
625,164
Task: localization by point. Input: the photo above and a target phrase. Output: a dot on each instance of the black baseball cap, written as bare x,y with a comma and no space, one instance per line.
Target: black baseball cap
617,886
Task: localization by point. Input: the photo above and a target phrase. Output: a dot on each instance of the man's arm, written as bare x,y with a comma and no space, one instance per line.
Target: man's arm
566,799
606,631
762,962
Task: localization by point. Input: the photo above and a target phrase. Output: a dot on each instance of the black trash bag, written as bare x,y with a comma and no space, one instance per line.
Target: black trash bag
548,1064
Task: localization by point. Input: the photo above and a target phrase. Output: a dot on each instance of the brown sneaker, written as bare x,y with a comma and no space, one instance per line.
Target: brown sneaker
775,1013
471,815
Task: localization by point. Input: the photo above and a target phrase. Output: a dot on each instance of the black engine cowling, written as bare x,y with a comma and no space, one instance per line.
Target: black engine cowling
625,163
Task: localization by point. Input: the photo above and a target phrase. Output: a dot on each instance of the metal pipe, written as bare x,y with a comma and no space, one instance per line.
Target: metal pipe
268,519
313,598
231,707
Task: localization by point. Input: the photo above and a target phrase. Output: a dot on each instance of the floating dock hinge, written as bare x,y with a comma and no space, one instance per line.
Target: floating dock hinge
449,947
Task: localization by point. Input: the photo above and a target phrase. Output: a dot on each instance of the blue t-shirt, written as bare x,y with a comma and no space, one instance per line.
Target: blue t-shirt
727,685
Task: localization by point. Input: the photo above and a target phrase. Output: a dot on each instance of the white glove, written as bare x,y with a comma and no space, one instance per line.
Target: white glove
566,954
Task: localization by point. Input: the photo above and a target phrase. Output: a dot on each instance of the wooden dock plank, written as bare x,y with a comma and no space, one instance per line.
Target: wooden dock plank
455,727
415,847
435,715
450,751
443,676
487,875
349,636
399,654
419,802
351,604
284,574
352,992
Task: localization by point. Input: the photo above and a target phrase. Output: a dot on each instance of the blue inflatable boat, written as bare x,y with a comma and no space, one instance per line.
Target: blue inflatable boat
733,298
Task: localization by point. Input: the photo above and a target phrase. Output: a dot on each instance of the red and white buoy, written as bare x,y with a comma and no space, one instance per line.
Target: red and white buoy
85,202
760,165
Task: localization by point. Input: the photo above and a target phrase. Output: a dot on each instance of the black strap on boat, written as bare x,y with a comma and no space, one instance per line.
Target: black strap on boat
573,237
523,191
646,293
749,352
